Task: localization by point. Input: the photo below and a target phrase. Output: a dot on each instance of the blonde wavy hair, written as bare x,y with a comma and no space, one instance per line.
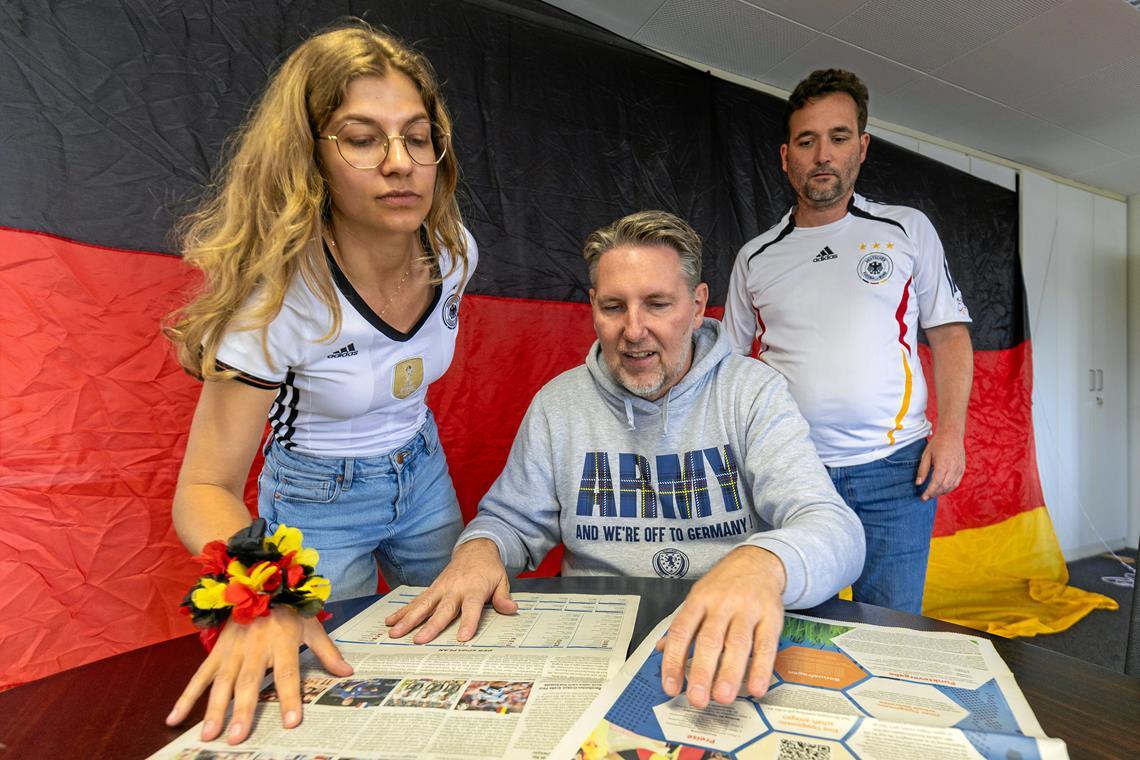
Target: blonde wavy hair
260,221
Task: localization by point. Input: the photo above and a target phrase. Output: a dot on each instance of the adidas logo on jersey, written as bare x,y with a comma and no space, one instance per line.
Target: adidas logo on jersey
345,351
825,255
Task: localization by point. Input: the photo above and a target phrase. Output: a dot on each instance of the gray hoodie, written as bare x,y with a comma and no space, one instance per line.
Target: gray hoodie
669,487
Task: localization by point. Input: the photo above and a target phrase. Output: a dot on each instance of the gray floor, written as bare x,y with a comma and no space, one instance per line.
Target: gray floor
1100,637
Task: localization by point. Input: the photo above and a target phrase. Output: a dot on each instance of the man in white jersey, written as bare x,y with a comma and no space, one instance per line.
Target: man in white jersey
834,294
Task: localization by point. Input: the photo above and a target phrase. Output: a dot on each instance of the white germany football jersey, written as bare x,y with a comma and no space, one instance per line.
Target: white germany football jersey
362,393
836,310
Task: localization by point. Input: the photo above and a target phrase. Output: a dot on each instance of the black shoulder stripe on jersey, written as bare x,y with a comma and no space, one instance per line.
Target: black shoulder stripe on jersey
852,208
284,413
248,379
949,277
791,225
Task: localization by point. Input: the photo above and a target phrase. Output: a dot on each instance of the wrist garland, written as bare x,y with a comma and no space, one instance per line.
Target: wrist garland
251,573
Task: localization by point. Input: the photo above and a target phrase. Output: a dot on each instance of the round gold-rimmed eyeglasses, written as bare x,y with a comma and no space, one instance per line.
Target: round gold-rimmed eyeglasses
365,146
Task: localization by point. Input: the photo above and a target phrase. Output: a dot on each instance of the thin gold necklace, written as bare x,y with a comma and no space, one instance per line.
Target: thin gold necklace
399,285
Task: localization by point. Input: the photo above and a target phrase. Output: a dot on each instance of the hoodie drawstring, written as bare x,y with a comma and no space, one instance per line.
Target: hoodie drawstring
629,413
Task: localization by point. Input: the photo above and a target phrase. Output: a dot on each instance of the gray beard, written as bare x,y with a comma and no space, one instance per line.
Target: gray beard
673,373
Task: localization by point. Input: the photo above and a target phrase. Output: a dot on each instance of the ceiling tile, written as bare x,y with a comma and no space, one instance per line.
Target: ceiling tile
1122,177
1119,132
882,76
818,16
937,108
725,34
1065,44
1053,84
926,34
623,18
1104,106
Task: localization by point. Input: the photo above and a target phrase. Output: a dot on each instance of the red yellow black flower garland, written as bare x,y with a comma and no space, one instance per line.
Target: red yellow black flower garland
246,576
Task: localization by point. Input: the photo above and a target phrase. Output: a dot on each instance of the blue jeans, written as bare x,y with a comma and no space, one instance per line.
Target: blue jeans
398,509
897,525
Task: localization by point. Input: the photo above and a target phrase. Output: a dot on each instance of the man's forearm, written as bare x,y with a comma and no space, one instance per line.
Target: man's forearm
953,355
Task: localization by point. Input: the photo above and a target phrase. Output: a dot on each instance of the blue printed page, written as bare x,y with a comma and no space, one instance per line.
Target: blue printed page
837,691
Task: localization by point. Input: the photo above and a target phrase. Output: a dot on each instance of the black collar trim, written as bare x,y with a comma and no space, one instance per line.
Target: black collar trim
362,307
791,225
856,211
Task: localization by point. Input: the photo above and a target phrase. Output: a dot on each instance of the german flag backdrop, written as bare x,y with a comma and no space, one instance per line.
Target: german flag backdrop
112,115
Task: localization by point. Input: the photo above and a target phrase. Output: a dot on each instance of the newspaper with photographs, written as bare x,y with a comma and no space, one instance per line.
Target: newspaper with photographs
511,691
838,691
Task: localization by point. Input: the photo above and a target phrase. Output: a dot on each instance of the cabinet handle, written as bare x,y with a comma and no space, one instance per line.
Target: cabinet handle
1092,379
1100,379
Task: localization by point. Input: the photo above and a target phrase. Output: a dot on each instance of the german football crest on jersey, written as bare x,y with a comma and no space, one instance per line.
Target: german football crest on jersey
407,377
451,310
875,267
671,563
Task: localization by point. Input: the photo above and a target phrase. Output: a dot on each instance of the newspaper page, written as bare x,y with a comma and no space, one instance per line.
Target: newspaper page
838,691
511,691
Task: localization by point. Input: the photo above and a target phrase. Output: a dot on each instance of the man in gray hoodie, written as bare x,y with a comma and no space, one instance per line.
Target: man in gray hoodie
665,454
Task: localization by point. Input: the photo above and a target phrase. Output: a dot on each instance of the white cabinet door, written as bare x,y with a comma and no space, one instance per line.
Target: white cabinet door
1073,253
1078,420
1040,260
1109,514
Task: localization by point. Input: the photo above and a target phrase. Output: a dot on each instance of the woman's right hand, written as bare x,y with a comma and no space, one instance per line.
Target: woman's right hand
237,665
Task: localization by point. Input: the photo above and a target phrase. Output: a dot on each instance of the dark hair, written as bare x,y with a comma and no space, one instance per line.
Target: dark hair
825,82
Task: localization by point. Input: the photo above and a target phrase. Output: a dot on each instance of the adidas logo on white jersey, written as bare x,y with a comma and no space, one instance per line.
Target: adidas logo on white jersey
343,352
825,255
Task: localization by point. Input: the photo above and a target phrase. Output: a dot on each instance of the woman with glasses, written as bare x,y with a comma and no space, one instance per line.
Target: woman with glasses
334,260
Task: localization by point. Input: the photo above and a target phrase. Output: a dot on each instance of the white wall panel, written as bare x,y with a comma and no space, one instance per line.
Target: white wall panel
955,158
1108,512
1076,420
1134,365
1073,252
978,167
995,173
1038,251
903,141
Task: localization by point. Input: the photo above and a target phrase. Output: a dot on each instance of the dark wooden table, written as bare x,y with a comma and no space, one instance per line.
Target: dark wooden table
114,708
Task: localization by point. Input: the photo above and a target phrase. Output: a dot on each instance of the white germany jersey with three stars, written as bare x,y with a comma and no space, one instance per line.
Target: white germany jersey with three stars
836,310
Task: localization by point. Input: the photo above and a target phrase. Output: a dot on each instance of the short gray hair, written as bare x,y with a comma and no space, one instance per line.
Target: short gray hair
648,228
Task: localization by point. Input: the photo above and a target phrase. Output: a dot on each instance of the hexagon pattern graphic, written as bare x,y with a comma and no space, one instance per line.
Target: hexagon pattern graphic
879,739
787,745
804,710
720,727
818,667
898,653
907,702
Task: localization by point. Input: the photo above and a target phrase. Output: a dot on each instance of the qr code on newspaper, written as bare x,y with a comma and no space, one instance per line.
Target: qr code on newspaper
793,749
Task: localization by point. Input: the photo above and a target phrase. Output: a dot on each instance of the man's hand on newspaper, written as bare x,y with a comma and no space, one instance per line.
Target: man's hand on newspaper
474,575
237,665
735,610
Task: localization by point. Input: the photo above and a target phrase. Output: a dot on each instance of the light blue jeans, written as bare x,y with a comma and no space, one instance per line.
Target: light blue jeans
397,510
897,524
